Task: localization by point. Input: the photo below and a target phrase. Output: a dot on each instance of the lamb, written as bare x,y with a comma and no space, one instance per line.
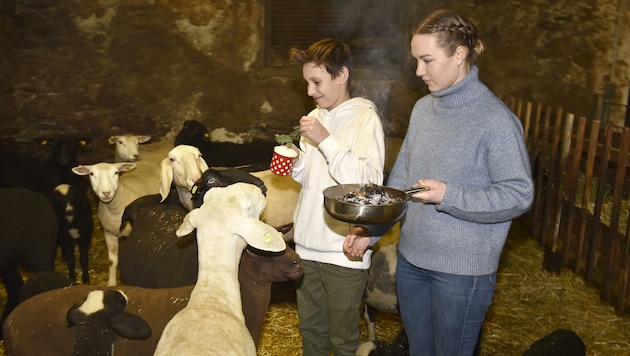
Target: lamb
127,147
99,319
255,155
114,194
183,166
74,216
229,219
29,239
49,335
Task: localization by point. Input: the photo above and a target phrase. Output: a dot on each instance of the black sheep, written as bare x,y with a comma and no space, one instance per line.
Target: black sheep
42,175
99,319
253,156
74,214
28,239
222,177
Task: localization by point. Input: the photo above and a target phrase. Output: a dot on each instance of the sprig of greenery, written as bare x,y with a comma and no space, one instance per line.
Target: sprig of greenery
288,139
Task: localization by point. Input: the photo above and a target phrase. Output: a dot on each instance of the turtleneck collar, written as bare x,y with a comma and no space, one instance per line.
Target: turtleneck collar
467,89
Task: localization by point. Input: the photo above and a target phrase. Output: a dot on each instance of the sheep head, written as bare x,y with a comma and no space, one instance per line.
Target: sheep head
184,166
237,206
104,177
127,146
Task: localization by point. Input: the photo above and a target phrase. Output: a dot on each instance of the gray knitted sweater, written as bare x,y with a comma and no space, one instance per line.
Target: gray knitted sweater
465,136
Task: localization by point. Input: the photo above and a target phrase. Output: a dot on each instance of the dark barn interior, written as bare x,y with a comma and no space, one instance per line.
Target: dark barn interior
96,68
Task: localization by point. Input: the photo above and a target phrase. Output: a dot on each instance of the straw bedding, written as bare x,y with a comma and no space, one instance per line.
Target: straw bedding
529,304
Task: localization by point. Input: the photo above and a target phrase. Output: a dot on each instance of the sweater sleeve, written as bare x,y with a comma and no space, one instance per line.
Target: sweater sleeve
510,193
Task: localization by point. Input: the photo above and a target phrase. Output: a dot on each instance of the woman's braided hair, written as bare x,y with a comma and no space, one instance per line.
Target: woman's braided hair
452,30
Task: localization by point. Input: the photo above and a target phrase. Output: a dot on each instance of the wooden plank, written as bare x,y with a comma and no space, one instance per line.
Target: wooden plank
539,170
552,180
527,123
601,190
614,239
586,197
571,176
559,187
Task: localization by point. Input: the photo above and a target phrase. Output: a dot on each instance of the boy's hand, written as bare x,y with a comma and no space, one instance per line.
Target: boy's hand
312,129
356,242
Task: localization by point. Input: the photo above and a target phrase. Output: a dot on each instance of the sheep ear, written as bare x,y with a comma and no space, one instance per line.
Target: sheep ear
166,179
125,166
81,170
130,326
112,139
189,224
261,236
203,164
143,139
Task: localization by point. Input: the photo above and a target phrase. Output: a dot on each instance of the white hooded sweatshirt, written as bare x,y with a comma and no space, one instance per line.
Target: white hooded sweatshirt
353,153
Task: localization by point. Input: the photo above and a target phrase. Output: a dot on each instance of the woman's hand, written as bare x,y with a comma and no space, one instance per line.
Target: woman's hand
434,195
356,242
312,129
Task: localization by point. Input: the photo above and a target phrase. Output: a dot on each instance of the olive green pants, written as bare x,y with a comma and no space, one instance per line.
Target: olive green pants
328,301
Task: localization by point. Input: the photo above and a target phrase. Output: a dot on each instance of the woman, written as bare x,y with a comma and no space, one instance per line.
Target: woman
468,148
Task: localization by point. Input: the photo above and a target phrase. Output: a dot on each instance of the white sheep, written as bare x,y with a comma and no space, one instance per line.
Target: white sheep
115,192
127,147
212,323
183,166
282,197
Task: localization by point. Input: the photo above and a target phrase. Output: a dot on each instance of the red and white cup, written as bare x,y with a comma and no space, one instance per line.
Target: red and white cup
282,160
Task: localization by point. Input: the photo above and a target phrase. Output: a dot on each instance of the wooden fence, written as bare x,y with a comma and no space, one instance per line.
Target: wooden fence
582,187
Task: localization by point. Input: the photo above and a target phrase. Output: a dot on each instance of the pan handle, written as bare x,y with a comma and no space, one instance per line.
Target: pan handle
421,188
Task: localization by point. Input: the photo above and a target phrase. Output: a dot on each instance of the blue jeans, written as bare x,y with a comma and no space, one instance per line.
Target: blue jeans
442,313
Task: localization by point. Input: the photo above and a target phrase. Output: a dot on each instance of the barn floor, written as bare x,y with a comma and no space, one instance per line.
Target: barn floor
528,305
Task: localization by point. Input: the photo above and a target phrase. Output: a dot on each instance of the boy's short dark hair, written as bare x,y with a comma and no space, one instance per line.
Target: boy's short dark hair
332,54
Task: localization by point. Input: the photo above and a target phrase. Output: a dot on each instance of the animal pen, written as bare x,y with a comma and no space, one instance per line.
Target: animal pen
582,192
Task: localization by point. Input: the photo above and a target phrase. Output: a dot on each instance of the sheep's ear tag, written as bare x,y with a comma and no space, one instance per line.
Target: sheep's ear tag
268,238
206,135
194,190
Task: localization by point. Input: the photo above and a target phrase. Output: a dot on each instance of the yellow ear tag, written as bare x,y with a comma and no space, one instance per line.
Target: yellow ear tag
268,238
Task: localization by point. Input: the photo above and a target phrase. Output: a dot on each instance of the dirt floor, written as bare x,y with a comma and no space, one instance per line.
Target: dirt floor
529,304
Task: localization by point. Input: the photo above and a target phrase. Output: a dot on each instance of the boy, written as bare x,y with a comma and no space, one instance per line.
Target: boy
341,142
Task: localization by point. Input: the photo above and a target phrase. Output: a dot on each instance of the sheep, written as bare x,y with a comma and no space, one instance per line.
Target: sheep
29,239
256,274
255,155
99,319
74,216
127,147
168,263
42,175
282,198
183,167
281,192
226,223
48,334
114,193
399,347
380,289
41,282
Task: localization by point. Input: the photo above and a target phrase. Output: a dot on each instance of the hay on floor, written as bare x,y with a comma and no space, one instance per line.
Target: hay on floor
529,304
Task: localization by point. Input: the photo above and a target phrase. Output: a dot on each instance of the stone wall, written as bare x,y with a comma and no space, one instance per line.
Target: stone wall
99,67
